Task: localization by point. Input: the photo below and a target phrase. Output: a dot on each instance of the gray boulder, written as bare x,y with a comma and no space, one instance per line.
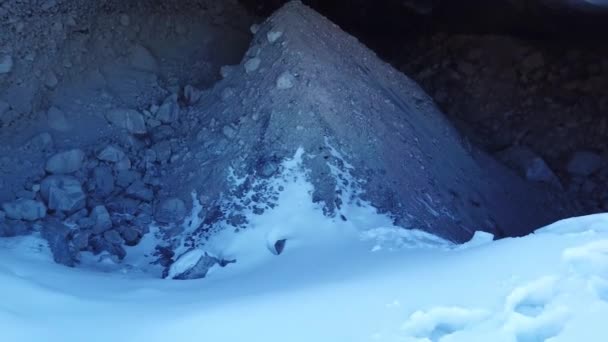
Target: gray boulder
584,163
529,165
140,191
113,237
171,210
103,180
25,209
111,154
56,120
57,235
129,119
65,162
101,219
184,269
63,193
168,111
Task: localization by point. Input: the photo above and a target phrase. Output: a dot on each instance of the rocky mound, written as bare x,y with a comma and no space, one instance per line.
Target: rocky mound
304,85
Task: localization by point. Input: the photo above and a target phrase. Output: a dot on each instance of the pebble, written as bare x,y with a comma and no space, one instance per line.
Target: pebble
273,36
285,81
252,65
57,121
65,162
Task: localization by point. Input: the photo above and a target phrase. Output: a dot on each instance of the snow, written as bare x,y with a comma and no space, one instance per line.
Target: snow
362,279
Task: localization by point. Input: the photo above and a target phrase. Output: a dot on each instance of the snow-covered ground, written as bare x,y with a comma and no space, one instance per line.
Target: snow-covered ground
359,279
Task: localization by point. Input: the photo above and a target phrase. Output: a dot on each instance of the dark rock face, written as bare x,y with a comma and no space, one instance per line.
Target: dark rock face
412,163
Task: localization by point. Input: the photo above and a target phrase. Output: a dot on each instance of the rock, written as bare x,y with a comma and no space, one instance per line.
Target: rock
12,228
129,119
80,240
99,244
103,180
163,151
123,164
278,247
113,237
126,177
168,112
101,218
584,163
229,132
111,154
161,133
57,235
63,193
252,65
194,264
131,236
142,59
273,36
529,165
50,80
254,28
227,70
6,64
42,142
25,209
65,162
171,210
57,121
192,95
139,191
285,81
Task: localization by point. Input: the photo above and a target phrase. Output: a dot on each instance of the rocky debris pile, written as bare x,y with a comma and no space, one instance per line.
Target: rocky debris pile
356,111
509,95
100,199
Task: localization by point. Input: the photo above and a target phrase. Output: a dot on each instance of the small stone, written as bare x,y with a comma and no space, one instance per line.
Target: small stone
226,71
126,177
168,112
123,164
529,165
56,234
6,64
227,93
187,267
50,80
229,132
111,154
171,210
65,162
129,119
101,218
252,65
80,240
273,36
163,151
285,81
57,121
25,209
192,95
584,163
254,28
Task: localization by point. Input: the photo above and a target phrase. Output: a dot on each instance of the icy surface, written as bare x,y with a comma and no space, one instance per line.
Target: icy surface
360,279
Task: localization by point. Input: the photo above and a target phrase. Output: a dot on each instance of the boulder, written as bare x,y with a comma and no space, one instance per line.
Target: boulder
171,210
63,193
99,244
168,112
529,165
128,119
101,219
584,163
111,154
65,162
56,120
140,191
57,235
103,180
25,209
194,264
